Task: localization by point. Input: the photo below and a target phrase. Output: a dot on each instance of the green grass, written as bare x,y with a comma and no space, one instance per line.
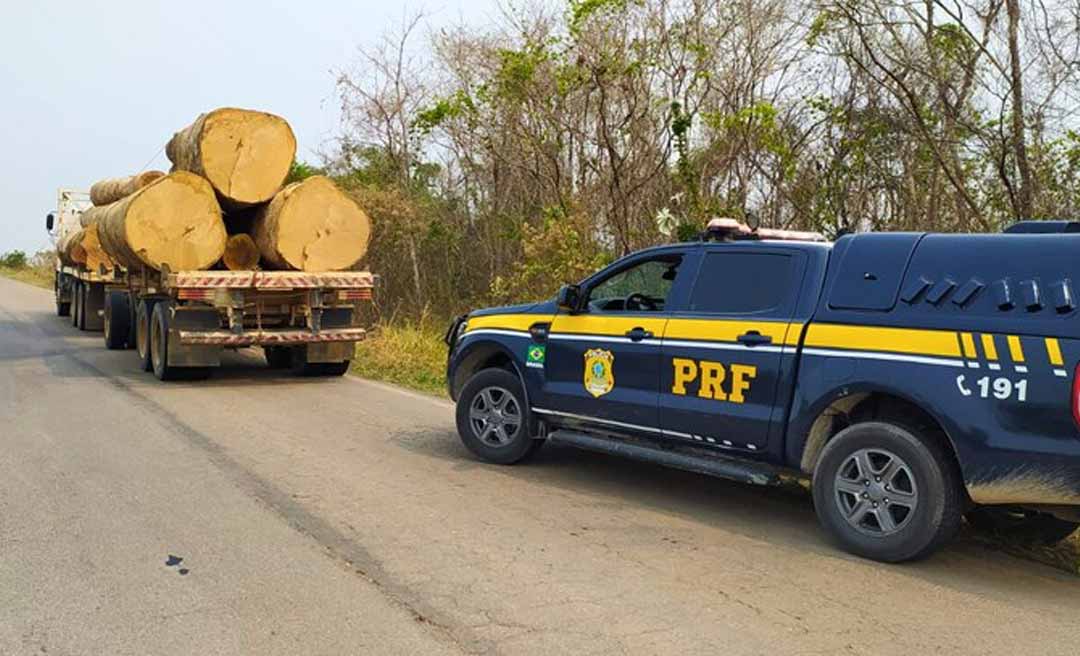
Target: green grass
37,276
410,355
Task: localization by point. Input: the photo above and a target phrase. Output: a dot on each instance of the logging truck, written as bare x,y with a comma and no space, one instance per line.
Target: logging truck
180,322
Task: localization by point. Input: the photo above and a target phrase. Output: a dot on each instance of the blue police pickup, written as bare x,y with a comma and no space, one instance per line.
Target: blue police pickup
915,378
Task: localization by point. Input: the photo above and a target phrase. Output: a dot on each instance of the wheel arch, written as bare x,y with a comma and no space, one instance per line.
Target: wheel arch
477,356
852,404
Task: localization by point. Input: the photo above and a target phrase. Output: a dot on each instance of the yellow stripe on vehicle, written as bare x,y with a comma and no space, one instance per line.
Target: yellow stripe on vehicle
874,338
504,321
720,330
1053,349
989,348
967,343
585,324
1016,351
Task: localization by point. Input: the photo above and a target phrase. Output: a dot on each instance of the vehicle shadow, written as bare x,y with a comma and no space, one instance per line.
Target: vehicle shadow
782,516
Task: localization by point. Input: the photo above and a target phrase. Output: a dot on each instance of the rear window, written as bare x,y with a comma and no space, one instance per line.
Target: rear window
742,283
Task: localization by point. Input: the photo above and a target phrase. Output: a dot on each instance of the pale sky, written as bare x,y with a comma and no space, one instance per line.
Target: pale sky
91,89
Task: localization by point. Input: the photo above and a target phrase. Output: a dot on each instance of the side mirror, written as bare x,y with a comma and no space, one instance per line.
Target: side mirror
49,218
569,298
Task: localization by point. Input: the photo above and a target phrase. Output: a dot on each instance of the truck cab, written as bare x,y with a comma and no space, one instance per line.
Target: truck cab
913,378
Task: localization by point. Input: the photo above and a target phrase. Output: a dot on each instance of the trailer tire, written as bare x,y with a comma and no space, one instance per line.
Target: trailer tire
278,357
80,296
63,309
117,320
143,315
75,304
159,343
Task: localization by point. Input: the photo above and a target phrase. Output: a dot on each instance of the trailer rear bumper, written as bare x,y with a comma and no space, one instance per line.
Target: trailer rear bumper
270,337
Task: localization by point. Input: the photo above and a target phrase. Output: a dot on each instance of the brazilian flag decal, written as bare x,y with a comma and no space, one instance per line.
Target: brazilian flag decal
534,356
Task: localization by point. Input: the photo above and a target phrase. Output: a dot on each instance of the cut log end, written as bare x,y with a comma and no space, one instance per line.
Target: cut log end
174,221
312,226
244,154
241,253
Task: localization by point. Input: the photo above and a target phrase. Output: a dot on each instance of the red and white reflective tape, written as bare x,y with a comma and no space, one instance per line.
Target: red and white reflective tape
270,337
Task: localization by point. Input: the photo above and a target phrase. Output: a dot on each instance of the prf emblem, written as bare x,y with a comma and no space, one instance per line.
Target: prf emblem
599,379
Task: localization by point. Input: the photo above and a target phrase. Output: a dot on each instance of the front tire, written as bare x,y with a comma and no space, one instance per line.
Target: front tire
887,492
493,419
1018,524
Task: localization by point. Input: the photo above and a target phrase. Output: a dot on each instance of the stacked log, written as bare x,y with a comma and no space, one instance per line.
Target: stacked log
311,226
111,190
241,253
174,221
244,154
83,248
231,159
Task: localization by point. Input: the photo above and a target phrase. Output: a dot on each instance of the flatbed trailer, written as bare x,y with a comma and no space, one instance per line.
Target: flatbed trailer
180,322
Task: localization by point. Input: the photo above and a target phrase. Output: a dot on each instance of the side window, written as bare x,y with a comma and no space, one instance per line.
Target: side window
643,287
742,283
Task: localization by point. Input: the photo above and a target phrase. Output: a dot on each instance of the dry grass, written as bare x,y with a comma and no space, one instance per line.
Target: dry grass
37,276
410,355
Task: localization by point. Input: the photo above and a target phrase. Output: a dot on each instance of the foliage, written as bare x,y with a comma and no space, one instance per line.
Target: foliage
36,270
301,171
13,260
499,163
555,252
411,354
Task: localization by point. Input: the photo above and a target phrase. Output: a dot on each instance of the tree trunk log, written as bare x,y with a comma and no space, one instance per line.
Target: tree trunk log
175,221
111,190
312,226
84,248
241,253
245,155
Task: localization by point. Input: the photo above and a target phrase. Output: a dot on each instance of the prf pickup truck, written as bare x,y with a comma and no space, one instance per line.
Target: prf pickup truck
914,378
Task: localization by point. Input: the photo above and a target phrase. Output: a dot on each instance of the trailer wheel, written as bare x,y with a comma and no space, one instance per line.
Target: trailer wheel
117,320
301,366
159,343
80,296
278,357
62,309
75,304
142,332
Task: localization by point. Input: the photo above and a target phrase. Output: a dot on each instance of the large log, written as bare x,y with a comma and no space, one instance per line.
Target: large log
174,221
84,248
311,226
241,253
244,154
111,190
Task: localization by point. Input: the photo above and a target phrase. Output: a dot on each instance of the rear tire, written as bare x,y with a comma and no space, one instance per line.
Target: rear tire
80,316
493,418
75,304
301,367
143,314
63,308
117,322
159,343
887,492
278,357
1020,525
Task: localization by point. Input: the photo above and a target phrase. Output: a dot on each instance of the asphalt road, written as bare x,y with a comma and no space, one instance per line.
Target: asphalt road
344,517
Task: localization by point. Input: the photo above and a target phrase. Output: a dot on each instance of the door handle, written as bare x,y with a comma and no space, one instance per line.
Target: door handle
754,338
638,333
